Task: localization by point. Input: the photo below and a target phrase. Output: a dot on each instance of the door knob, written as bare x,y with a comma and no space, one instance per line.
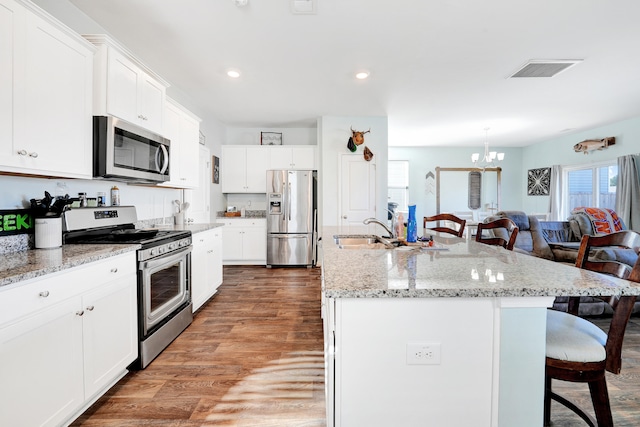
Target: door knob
344,217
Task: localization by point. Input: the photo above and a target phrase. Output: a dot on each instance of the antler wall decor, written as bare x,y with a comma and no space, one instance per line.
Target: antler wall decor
357,138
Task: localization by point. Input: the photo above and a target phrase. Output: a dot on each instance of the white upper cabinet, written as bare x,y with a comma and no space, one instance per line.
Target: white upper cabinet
292,157
183,130
125,88
243,169
45,94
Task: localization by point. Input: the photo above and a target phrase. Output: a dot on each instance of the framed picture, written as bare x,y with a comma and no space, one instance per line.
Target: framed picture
215,161
270,138
539,182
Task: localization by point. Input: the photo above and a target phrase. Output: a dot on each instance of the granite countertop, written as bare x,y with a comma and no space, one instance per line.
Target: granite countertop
24,265
454,268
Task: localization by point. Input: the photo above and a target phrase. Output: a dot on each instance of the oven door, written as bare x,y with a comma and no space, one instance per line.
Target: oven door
165,287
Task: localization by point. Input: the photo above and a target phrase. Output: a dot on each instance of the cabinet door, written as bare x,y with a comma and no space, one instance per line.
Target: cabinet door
255,244
122,87
233,169
216,259
53,93
232,238
280,157
11,17
189,151
201,268
303,158
41,367
256,166
110,332
171,130
150,103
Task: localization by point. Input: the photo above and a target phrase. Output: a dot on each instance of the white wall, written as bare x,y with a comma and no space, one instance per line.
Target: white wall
150,202
290,136
559,151
333,135
423,160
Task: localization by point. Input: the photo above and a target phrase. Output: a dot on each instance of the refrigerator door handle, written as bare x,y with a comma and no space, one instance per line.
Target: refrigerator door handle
289,204
288,236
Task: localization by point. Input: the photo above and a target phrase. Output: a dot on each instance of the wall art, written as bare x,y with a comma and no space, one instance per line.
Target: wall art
270,138
215,161
539,182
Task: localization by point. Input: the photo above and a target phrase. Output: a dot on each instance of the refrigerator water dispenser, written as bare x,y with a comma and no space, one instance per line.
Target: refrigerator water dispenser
275,203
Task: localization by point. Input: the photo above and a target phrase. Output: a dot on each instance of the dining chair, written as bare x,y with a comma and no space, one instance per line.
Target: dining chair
504,233
443,229
579,351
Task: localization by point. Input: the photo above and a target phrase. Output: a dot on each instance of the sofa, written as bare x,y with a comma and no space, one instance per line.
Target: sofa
559,241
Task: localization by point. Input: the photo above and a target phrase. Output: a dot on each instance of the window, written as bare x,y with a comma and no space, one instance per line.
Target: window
398,183
593,186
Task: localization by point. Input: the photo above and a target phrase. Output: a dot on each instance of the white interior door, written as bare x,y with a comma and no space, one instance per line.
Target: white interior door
357,189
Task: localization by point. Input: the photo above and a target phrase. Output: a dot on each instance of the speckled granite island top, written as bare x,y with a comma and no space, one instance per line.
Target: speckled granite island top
24,265
453,268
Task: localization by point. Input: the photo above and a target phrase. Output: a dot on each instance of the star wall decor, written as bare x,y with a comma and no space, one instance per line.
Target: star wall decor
539,182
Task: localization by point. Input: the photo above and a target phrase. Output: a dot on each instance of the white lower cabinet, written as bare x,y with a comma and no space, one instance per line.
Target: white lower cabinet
245,241
206,266
64,339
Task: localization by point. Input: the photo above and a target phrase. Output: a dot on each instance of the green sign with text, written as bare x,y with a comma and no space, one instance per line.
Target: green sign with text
16,221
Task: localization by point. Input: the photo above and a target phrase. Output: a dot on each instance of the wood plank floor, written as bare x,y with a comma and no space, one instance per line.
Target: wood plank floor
253,357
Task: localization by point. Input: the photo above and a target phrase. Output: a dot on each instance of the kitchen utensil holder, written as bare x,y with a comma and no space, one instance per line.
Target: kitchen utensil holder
48,232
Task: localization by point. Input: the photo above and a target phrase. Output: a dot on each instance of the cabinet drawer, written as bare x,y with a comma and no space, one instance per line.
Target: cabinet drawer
43,292
244,222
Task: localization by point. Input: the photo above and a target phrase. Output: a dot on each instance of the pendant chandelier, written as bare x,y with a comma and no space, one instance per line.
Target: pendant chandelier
487,161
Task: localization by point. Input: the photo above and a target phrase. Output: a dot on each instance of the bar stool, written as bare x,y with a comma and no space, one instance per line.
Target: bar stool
578,350
508,226
445,217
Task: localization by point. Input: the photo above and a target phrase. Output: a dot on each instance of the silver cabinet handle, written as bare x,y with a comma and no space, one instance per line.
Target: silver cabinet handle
44,294
34,154
80,313
22,152
114,270
90,308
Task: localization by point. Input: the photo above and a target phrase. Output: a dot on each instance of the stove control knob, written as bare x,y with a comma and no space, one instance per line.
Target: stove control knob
152,252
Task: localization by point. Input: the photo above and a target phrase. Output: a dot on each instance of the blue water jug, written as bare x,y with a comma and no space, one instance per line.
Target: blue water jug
412,227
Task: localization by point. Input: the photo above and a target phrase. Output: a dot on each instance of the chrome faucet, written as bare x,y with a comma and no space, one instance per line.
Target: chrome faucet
392,232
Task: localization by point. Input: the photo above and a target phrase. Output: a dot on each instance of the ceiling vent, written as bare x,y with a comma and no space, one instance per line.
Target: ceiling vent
544,68
303,7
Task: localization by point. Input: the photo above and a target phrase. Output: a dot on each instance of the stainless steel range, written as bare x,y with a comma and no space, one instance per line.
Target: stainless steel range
164,271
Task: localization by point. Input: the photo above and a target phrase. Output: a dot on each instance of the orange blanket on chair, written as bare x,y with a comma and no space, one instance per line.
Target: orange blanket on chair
604,221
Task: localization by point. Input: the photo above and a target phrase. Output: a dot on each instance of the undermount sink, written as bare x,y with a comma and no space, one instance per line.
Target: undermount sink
363,242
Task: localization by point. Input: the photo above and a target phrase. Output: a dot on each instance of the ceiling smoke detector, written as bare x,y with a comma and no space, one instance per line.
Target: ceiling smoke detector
240,3
544,68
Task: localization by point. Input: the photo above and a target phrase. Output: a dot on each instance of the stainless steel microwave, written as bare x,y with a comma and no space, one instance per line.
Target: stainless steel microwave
125,152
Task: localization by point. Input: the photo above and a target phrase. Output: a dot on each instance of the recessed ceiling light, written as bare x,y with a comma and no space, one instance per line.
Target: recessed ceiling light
233,74
362,75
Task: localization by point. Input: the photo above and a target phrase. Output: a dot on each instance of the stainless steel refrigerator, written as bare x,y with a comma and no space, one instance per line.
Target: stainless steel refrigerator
291,217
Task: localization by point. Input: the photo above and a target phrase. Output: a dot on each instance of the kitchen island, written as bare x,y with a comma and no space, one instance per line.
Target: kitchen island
450,335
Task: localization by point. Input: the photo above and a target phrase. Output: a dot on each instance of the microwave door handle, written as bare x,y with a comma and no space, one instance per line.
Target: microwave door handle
165,161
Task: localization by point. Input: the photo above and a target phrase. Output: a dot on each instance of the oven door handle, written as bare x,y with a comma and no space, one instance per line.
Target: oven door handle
161,260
